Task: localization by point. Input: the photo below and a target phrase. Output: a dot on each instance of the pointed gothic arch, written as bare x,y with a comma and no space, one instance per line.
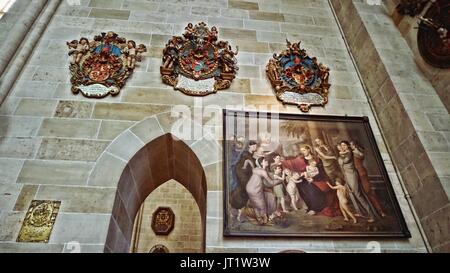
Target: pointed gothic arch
160,160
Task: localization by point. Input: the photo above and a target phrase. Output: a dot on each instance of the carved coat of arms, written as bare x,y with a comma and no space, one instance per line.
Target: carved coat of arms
163,221
197,63
102,66
297,78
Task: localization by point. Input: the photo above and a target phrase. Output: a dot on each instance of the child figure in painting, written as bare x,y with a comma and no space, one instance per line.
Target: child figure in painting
279,176
311,171
342,194
292,190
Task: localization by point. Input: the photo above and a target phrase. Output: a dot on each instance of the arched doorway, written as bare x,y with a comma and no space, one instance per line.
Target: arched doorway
182,235
159,161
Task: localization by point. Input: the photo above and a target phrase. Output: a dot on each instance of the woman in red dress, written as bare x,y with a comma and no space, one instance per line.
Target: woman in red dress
318,196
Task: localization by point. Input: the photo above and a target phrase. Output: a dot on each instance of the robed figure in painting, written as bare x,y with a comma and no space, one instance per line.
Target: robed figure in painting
243,170
360,201
317,195
262,200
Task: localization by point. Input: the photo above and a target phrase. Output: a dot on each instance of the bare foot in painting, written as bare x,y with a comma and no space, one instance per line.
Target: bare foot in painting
383,214
311,212
371,220
346,219
239,216
354,221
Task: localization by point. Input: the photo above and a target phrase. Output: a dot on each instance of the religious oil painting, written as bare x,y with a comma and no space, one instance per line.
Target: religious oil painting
306,176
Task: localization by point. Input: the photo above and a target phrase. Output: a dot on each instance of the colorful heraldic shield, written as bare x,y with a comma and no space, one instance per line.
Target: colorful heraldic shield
297,78
102,66
197,63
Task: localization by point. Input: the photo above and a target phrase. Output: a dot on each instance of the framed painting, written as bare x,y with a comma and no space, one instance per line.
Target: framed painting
306,176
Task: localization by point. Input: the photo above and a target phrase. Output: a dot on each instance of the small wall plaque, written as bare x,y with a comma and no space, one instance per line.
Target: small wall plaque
39,221
159,249
163,221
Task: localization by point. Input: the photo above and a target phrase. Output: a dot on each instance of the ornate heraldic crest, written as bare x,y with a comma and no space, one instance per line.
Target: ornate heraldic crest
197,63
297,78
102,66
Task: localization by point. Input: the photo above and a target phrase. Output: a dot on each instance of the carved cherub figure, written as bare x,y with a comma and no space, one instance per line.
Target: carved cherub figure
213,35
78,49
133,53
189,31
170,52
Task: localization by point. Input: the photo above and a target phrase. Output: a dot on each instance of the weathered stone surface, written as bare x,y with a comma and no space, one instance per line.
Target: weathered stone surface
18,147
10,223
126,111
8,195
83,228
242,5
79,199
110,14
107,171
9,168
71,149
25,197
73,128
73,109
110,129
19,126
54,172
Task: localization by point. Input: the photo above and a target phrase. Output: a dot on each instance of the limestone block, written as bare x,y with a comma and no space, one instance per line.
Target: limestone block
107,171
54,172
73,128
36,108
71,149
12,126
25,197
9,168
82,228
126,111
73,109
18,147
125,146
110,129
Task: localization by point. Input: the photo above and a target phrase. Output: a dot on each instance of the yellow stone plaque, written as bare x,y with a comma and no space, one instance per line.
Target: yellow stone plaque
39,220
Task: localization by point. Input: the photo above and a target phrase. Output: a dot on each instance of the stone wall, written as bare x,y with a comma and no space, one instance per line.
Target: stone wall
187,233
53,143
439,78
415,121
